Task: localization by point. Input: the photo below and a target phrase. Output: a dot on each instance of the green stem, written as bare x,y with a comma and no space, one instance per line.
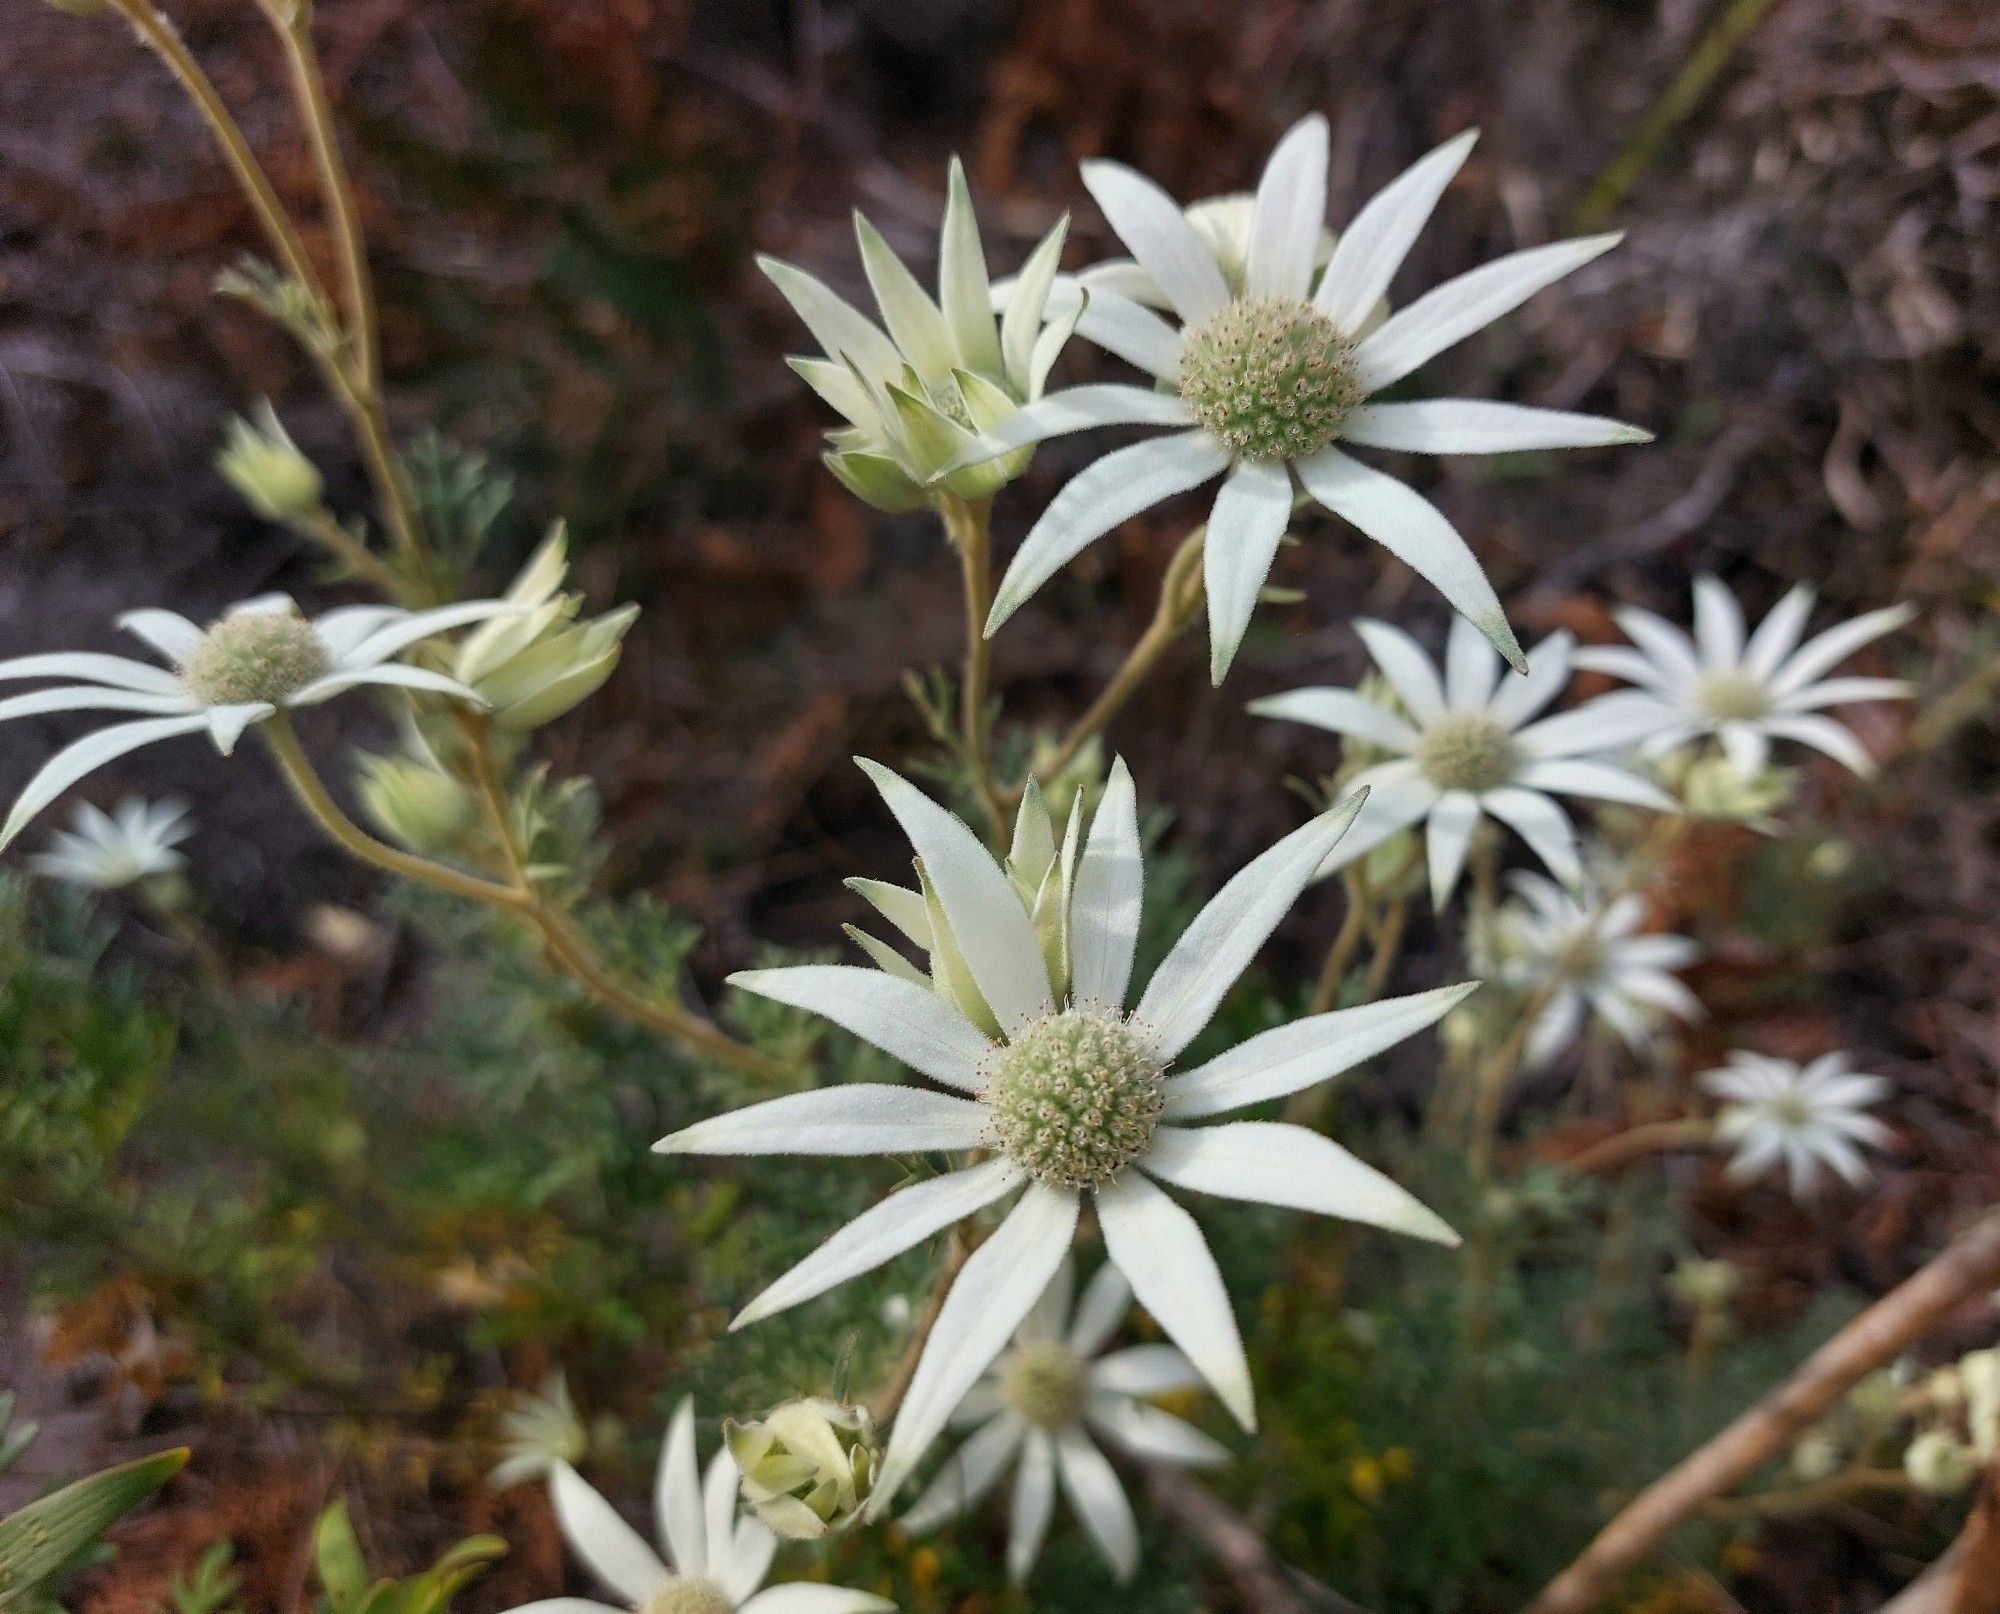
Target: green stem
968,523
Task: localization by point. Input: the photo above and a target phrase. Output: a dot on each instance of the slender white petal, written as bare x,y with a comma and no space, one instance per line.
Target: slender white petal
567,1605
964,293
1341,711
1078,409
227,723
1747,745
677,1495
86,756
993,931
1160,1249
1372,248
915,324
967,1475
1823,734
1106,900
1522,695
1405,665
1718,624
1777,636
882,1232
1133,333
90,698
1600,781
1244,531
1622,661
1143,1370
750,1556
1026,302
390,675
902,907
809,1597
855,1118
1033,1504
1543,825
841,331
1670,648
413,627
1397,797
1290,1058
1153,226
1471,302
1106,1300
1828,650
1271,1163
1607,723
1471,669
1099,1500
1447,838
1152,1435
1289,213
719,1485
1846,692
95,668
1112,490
1416,532
1477,426
1222,939
346,626
168,632
1046,1316
908,1022
994,1291
610,1548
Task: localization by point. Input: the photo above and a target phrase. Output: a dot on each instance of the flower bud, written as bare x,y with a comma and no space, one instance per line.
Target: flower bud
414,802
264,465
1705,1285
1939,1463
534,664
808,1466
1715,788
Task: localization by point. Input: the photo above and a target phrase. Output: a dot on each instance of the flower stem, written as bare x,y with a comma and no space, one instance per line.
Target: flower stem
1636,1142
1346,942
325,528
969,524
890,1397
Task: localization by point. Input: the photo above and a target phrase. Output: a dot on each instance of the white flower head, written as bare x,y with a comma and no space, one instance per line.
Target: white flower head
1071,1096
1807,1117
537,1433
108,851
1467,747
714,1559
916,397
1272,369
1592,961
1748,689
258,658
1048,1404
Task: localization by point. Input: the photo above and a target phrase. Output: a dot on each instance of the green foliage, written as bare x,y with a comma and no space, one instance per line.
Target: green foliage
44,1539
212,1588
346,1587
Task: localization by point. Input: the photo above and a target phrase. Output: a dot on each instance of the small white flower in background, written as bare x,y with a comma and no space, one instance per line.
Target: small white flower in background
264,465
1810,1117
109,851
1047,1403
714,1560
916,397
537,1434
1593,963
1466,748
536,663
1071,1094
1274,367
1748,689
259,657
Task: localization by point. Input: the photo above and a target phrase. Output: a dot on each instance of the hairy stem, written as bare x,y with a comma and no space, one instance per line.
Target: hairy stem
1346,942
1637,1142
968,523
957,1252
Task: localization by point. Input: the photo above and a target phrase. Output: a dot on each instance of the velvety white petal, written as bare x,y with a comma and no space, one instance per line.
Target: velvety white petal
1660,991
1471,302
1397,797
1671,650
915,325
1572,776
1658,951
902,907
1289,213
1521,696
1476,426
227,723
1078,409
1033,1504
1542,824
1106,899
92,667
1340,711
391,675
1823,734
1622,661
1271,1163
1290,1058
809,1597
90,698
1846,692
610,1548
567,1605
168,632
1244,530
1026,301
1133,333
1099,1501
1633,1026
1003,1278
967,1475
1416,532
750,1557
719,1486
1447,838
1219,943
346,626
964,292
854,1118
1555,1028
1151,1435
1106,1300
1372,248
1826,651
907,1022
1143,1370
677,1496
1777,636
1471,668
1160,1249
1608,723
1094,501
86,756
1152,225
1048,1315
840,330
1746,745
1718,624
1403,662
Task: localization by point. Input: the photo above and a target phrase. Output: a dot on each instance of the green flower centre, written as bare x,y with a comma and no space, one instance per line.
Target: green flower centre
1732,696
1042,1380
1074,1099
1272,377
688,1594
1467,751
1792,1111
256,656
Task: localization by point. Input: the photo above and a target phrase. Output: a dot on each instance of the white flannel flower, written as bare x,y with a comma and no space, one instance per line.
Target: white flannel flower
1045,1406
537,1433
1274,368
916,397
1591,960
109,851
1748,689
259,657
1808,1117
714,1561
1467,748
1070,1095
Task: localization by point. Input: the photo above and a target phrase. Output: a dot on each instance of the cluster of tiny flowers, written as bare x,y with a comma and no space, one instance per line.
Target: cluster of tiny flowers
1467,751
1272,377
255,656
1074,1100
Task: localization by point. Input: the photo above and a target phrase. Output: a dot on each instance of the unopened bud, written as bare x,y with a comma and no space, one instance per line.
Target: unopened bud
808,1466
